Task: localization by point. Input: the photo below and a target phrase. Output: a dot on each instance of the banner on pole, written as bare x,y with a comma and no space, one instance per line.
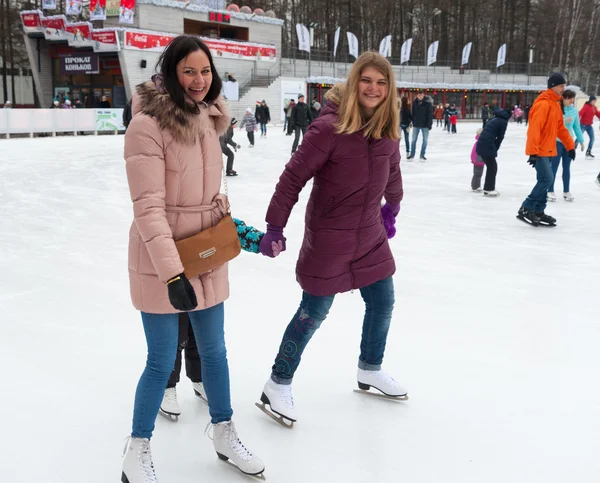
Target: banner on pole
113,8
385,47
466,53
127,11
49,4
405,51
501,56
432,52
97,9
303,37
336,40
74,7
352,45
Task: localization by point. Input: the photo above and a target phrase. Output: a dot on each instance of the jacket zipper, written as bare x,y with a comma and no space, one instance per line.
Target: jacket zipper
362,215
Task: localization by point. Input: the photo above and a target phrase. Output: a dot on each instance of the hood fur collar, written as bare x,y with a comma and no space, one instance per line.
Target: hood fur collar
184,126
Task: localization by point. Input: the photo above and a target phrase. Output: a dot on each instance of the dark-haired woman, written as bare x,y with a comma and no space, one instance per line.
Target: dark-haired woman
174,165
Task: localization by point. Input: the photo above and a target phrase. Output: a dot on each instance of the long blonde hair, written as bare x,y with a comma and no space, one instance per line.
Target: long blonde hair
386,119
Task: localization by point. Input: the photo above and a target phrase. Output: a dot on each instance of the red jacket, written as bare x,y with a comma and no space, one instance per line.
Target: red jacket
587,113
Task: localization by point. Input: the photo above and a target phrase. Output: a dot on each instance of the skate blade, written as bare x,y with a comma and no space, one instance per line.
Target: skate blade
381,395
201,396
171,417
550,200
258,476
286,423
524,220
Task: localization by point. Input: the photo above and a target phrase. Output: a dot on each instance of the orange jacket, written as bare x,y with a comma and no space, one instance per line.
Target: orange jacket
545,125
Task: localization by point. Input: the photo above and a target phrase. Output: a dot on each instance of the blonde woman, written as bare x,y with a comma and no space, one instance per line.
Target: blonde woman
352,152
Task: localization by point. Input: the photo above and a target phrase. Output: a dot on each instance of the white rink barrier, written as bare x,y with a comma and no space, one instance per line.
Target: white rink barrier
53,121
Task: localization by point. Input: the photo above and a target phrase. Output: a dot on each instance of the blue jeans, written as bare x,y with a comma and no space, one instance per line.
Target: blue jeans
285,121
563,155
161,336
590,132
379,304
416,131
536,201
406,137
263,128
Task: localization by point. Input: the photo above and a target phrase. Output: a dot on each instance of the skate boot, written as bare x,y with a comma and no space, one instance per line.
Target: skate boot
423,159
137,462
545,219
551,196
280,400
568,196
598,179
381,381
589,155
476,190
169,408
491,194
228,446
199,390
528,216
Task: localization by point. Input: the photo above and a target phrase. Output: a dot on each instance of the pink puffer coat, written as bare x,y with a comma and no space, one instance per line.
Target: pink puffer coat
174,167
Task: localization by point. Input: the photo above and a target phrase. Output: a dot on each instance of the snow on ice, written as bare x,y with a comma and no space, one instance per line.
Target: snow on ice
495,331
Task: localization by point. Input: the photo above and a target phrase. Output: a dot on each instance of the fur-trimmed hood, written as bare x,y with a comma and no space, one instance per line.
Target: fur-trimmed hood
184,126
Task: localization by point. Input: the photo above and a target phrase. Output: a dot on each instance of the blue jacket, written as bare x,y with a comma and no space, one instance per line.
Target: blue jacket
571,118
492,135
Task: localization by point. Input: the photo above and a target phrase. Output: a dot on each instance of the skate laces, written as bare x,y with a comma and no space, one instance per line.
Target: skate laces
145,461
233,441
285,392
385,378
170,395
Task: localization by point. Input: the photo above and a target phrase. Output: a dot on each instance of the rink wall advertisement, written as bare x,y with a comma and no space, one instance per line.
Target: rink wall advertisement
290,89
227,49
24,121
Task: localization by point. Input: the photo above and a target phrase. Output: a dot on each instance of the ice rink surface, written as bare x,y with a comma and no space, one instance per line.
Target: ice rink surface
495,333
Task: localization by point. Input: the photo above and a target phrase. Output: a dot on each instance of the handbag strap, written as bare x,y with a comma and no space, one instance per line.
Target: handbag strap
226,189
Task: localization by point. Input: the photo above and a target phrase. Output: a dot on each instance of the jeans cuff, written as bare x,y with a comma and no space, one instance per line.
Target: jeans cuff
280,380
368,367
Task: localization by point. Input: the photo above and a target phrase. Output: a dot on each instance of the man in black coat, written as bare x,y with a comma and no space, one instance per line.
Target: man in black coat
488,144
485,113
226,139
422,121
299,120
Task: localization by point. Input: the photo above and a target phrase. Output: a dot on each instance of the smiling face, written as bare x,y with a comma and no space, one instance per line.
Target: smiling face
194,75
372,90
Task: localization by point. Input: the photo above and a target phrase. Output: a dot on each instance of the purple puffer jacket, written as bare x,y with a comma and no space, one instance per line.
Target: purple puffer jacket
345,245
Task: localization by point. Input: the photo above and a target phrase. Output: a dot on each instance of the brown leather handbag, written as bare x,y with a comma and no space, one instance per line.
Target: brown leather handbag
210,248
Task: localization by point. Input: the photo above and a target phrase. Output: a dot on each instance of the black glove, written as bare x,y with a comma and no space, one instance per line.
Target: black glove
572,154
532,160
181,293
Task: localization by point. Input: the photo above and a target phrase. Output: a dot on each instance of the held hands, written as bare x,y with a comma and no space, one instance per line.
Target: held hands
389,211
273,243
532,160
181,293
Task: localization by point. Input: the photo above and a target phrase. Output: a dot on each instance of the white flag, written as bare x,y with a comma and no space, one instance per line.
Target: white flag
352,45
405,52
432,52
336,40
303,37
466,53
501,55
385,47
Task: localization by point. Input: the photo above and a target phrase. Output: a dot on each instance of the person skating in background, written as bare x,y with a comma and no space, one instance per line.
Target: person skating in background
286,106
187,342
300,119
352,152
227,140
263,117
127,114
405,122
105,103
586,119
249,121
488,144
289,117
422,121
485,113
452,118
526,113
571,120
446,117
438,114
478,165
545,125
175,194
8,105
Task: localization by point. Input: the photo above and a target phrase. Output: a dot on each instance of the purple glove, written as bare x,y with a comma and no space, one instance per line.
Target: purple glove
389,211
273,243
